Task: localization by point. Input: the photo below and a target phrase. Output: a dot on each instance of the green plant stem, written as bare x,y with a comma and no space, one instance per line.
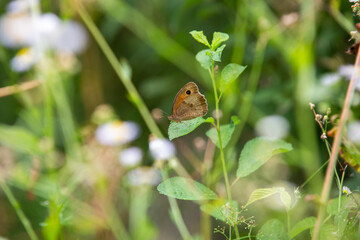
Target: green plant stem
336,147
16,205
176,214
211,72
120,70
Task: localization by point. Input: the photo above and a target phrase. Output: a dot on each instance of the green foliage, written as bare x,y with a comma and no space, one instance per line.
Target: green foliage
185,127
272,229
19,139
200,37
229,74
262,193
204,59
218,38
257,152
226,132
221,210
185,189
304,224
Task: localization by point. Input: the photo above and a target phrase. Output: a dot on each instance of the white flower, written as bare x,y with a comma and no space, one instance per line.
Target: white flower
131,156
144,175
24,60
330,79
353,131
274,126
18,6
161,149
16,30
117,133
71,37
347,71
346,190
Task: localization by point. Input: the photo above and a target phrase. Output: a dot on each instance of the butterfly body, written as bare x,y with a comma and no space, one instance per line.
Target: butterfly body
188,104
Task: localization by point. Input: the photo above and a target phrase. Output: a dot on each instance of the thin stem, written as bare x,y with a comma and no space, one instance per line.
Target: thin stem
211,72
16,205
335,150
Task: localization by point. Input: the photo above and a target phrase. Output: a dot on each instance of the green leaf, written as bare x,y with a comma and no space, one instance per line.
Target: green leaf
19,139
301,226
285,199
200,37
262,193
258,151
229,74
220,209
185,189
226,132
204,59
218,38
272,229
216,55
185,127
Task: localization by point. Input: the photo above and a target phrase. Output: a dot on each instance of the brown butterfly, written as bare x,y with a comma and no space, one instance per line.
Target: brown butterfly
188,104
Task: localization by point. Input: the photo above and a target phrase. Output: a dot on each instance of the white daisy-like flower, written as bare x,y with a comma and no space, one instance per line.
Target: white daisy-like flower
346,190
18,6
144,176
117,133
71,37
274,126
24,60
161,149
353,131
330,79
131,156
16,30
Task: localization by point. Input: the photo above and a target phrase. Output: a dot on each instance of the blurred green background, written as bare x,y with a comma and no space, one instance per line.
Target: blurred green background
70,187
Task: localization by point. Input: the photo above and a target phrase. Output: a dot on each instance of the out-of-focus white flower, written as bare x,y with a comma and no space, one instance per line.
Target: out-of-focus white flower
116,133
144,175
330,79
161,149
24,60
347,71
274,126
131,156
346,190
71,37
18,6
16,30
353,131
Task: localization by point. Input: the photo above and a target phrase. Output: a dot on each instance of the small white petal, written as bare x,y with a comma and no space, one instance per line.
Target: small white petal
161,149
24,60
117,133
72,37
16,31
274,126
330,79
144,175
131,156
353,131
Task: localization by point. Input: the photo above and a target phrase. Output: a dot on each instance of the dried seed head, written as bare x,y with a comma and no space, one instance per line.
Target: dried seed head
318,117
323,136
312,106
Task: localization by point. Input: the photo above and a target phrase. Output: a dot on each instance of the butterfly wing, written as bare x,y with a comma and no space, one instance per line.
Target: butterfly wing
189,103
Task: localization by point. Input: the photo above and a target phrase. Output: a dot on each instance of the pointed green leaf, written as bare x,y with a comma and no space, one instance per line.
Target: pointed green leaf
220,209
185,127
218,38
258,151
272,229
200,37
226,132
216,55
185,189
229,74
19,139
262,193
204,59
301,226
